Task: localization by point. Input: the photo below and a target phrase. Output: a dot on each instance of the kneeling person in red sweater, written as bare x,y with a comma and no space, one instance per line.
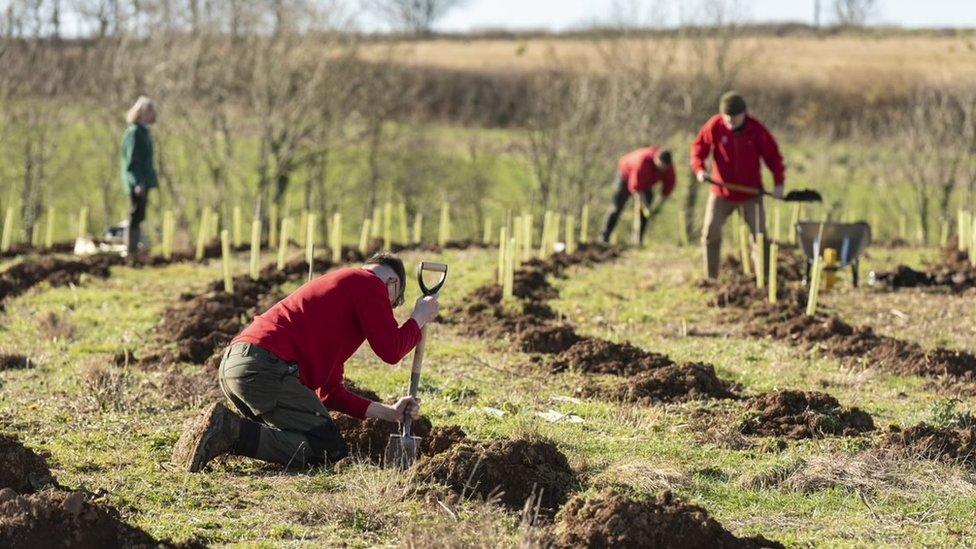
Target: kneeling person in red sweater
284,372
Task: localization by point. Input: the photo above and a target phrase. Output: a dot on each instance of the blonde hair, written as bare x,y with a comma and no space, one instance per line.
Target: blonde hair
142,105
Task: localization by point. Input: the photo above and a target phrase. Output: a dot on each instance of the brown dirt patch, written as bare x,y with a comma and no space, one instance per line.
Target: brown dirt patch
368,394
547,339
54,270
22,248
598,356
935,443
367,439
32,520
799,414
22,469
954,271
676,383
203,324
835,338
831,336
13,362
615,520
513,471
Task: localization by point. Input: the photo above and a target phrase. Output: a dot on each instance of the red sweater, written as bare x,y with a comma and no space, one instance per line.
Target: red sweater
736,155
641,174
322,324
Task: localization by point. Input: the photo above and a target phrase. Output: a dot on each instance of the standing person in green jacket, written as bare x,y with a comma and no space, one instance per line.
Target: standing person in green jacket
138,171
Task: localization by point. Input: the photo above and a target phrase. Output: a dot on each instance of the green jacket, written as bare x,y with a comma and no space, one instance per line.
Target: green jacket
137,158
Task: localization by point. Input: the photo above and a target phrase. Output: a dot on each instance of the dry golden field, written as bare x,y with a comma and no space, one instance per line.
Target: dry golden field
844,60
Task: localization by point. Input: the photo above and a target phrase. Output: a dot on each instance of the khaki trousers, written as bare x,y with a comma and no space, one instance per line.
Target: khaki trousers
717,210
285,421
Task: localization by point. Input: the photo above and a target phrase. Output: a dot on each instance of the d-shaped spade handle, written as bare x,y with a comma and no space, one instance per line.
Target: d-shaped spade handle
432,267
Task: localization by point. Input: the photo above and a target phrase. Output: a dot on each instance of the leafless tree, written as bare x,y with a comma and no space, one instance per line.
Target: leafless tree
934,161
854,12
414,16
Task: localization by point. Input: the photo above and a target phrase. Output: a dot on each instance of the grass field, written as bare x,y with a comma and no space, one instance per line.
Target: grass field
847,60
110,429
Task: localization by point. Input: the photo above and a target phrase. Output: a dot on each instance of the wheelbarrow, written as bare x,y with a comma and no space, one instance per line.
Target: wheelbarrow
847,240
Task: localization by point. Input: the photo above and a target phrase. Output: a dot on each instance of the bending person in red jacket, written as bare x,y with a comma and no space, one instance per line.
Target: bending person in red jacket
736,142
285,371
637,174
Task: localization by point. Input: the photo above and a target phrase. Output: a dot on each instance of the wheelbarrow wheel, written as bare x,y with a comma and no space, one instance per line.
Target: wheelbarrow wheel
856,272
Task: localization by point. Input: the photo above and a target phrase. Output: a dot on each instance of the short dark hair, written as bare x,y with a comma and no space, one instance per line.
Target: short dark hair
394,263
664,156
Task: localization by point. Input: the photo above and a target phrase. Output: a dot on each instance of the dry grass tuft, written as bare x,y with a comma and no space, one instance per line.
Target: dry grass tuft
106,387
641,475
866,472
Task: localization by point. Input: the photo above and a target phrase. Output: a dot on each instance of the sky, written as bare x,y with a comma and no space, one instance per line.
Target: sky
569,14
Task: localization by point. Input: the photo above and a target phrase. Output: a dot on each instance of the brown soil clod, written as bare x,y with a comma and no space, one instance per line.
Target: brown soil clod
831,336
367,439
547,338
70,518
955,271
935,443
612,519
798,414
14,362
598,356
676,383
56,271
511,471
22,469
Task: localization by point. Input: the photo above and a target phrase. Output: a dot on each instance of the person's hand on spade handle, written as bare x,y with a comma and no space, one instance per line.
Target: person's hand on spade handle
407,405
425,310
702,176
778,191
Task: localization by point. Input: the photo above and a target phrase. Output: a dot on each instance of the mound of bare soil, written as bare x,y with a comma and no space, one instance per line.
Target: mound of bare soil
55,271
798,414
954,271
676,383
368,439
547,339
598,356
22,248
368,394
13,362
513,471
64,519
204,323
836,338
615,520
935,443
21,469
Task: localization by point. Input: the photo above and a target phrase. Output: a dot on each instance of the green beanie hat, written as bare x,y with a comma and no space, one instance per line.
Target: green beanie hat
732,103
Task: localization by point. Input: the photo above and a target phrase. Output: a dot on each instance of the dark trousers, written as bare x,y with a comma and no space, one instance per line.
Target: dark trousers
137,214
285,421
621,194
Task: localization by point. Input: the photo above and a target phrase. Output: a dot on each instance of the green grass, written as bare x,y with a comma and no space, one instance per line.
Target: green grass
114,435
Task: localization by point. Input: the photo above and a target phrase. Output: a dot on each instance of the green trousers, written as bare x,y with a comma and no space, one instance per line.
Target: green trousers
285,421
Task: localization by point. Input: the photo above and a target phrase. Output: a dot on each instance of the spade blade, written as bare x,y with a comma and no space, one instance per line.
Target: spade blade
804,195
401,451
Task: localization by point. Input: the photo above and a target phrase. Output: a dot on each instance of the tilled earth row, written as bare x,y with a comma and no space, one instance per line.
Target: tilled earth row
830,336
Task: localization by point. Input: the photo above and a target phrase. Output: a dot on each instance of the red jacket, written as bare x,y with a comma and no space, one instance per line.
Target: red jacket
736,154
322,324
641,174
